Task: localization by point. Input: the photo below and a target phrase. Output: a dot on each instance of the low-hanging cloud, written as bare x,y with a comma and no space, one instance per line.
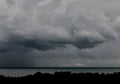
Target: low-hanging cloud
43,28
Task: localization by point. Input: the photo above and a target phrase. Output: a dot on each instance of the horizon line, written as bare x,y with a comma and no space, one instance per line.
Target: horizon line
57,67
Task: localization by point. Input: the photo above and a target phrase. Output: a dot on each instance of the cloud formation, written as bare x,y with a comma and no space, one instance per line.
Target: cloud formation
68,32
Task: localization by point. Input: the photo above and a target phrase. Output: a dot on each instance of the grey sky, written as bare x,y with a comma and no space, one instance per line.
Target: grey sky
59,33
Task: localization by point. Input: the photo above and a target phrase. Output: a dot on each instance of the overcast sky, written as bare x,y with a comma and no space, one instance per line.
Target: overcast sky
62,33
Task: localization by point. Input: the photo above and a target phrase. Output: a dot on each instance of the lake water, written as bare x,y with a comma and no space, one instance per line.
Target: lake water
23,72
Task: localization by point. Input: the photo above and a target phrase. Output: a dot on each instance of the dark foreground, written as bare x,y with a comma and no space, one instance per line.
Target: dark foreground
59,76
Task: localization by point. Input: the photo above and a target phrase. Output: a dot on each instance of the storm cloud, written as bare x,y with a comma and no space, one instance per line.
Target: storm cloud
59,33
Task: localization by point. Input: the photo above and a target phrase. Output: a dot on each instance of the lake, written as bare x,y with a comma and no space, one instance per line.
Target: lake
25,71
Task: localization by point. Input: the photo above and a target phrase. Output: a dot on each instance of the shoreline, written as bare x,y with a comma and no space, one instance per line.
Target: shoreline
65,76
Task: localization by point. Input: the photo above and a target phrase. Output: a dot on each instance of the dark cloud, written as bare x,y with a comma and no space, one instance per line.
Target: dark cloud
67,32
45,45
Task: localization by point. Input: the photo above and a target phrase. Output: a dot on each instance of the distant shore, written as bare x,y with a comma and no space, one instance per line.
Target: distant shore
65,76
